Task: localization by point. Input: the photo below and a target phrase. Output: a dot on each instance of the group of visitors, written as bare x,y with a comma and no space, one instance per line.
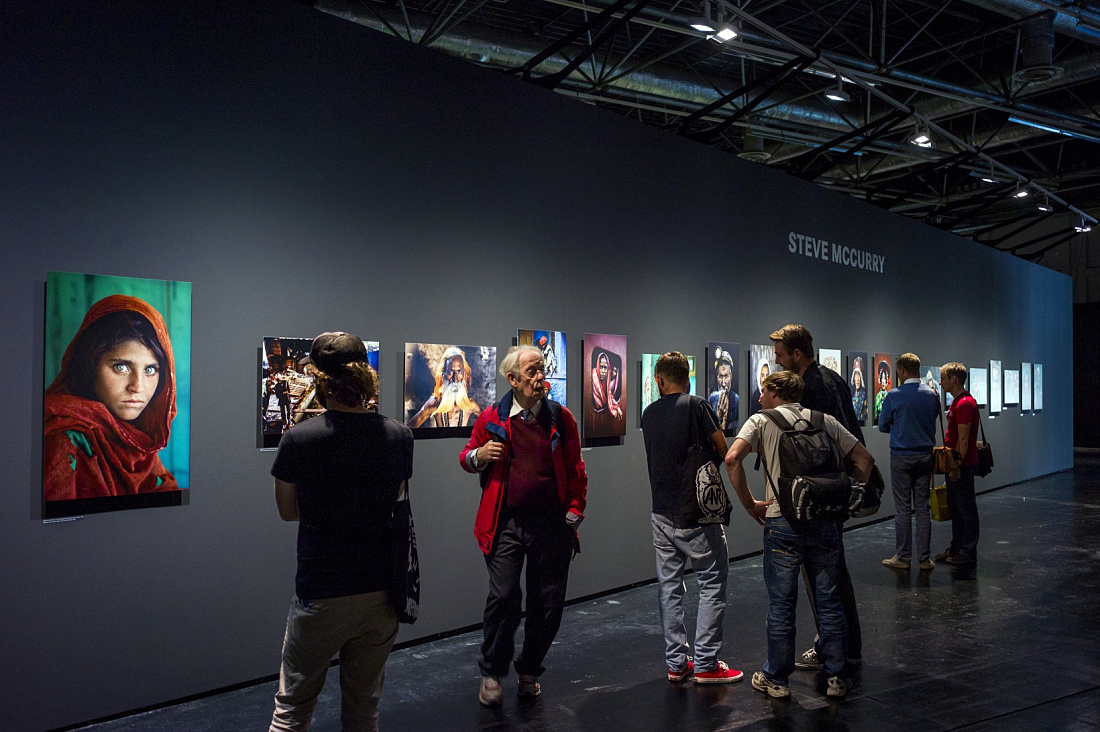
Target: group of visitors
339,475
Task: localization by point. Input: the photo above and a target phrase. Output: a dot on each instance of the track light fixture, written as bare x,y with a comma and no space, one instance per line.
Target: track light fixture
838,94
1084,227
1045,206
705,23
921,137
1020,192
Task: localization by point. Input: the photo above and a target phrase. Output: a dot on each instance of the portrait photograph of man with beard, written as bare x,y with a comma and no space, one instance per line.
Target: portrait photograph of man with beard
446,387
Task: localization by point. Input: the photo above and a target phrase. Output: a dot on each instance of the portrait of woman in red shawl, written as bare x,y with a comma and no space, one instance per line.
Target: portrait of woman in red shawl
110,409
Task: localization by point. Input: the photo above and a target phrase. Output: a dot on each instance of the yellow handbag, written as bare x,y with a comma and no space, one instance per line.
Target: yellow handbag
938,503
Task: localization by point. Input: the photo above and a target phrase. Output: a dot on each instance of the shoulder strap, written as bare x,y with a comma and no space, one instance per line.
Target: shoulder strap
777,419
817,419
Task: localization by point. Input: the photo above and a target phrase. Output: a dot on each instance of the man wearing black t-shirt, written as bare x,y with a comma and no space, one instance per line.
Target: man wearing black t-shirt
339,475
825,391
679,537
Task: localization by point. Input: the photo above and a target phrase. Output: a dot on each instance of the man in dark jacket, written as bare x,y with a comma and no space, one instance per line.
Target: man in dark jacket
825,391
528,451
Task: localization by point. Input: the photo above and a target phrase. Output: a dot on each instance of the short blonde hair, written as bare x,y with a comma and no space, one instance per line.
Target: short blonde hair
954,368
787,385
675,367
795,337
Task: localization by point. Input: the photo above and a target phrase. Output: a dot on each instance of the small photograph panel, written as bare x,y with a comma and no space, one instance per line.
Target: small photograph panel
723,384
1012,387
1037,386
117,405
930,375
553,347
287,394
447,387
978,386
761,365
830,358
649,393
604,386
884,380
857,382
1025,387
996,393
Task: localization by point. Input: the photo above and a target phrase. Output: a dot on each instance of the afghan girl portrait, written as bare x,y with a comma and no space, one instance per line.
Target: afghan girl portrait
108,412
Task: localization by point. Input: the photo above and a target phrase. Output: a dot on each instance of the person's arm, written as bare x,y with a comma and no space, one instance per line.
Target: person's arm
863,460
481,450
575,473
286,499
718,439
886,416
962,446
740,482
426,411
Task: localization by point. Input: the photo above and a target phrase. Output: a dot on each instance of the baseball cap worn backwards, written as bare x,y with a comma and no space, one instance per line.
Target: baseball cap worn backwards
330,350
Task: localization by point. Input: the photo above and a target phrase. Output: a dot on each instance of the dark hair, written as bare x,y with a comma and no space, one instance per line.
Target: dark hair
674,366
100,337
352,384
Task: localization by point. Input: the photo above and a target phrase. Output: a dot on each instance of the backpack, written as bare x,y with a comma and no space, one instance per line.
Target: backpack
812,483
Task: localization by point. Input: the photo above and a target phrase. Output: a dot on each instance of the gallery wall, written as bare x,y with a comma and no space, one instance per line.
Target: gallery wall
306,174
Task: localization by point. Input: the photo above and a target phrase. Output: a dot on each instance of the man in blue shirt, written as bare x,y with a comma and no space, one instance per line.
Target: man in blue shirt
909,415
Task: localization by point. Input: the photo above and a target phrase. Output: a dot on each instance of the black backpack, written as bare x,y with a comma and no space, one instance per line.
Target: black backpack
812,483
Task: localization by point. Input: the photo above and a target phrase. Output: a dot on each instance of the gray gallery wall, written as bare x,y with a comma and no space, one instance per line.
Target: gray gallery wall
307,174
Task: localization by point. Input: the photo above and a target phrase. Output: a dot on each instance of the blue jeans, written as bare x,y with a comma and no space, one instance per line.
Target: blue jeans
705,547
964,514
787,548
911,479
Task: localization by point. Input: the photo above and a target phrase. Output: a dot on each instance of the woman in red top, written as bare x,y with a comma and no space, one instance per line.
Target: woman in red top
109,412
962,434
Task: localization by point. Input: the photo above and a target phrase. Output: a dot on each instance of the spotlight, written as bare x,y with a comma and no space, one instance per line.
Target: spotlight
1020,193
725,33
921,137
706,23
1045,206
1084,227
838,94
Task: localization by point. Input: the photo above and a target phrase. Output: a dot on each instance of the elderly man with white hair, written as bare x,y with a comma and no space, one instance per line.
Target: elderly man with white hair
528,452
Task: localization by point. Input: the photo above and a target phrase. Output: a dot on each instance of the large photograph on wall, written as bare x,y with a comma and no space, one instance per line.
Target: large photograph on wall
648,393
117,408
884,380
447,386
1025,387
287,396
930,375
723,384
995,387
604,386
978,386
552,345
761,365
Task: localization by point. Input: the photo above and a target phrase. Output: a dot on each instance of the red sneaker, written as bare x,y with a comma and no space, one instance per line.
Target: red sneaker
678,676
722,674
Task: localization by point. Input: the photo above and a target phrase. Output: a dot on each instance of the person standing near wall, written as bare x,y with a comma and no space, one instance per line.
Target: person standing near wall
827,392
668,432
962,434
339,476
534,487
909,416
812,546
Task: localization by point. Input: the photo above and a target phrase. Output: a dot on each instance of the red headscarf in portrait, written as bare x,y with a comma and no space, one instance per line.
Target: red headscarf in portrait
89,452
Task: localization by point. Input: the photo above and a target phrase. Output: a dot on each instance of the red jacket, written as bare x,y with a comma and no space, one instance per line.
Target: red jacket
568,465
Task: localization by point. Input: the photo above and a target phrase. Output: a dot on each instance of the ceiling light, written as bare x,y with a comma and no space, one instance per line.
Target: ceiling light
725,33
838,94
706,23
1020,193
1045,206
1084,227
921,137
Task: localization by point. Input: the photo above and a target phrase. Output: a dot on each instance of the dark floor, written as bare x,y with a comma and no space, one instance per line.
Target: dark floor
1012,645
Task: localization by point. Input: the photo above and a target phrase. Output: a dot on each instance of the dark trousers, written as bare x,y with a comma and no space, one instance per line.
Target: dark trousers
854,647
546,542
964,514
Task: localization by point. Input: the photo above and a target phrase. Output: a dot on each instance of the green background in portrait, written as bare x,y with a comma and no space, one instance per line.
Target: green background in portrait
69,297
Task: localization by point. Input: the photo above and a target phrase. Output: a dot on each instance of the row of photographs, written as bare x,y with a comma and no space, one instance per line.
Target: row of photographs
117,362
446,386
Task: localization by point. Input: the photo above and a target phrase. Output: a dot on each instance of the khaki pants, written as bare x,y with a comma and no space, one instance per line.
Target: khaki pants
361,628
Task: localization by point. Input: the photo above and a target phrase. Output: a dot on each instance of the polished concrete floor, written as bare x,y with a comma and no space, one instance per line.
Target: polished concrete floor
1012,644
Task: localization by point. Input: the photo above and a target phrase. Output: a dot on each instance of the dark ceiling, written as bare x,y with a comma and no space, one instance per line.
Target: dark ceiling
1007,90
